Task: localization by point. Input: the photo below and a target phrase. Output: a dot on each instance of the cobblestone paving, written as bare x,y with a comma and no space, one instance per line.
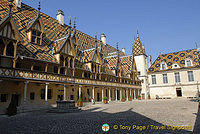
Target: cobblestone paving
139,114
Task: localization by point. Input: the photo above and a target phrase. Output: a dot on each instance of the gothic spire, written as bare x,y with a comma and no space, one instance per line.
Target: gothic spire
70,21
74,22
39,7
96,47
117,55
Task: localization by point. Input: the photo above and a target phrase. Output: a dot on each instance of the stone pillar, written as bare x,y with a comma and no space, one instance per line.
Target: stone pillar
25,91
134,94
46,93
109,94
65,97
127,94
120,94
102,94
116,94
79,90
93,97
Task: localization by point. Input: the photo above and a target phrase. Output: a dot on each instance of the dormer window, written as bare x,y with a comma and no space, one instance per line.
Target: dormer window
36,31
163,66
188,63
36,37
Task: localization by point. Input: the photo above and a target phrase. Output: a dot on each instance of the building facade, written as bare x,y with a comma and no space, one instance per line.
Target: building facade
43,60
175,75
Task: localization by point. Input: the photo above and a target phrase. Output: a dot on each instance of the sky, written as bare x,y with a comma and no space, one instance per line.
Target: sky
164,26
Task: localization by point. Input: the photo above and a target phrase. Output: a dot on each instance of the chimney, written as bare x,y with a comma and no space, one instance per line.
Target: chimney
60,17
123,50
18,3
103,38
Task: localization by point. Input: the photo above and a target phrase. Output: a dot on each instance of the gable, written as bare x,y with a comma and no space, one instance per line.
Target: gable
37,26
67,49
96,58
8,29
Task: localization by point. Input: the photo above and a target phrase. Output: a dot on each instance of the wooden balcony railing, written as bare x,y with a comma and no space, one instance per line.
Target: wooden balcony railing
51,77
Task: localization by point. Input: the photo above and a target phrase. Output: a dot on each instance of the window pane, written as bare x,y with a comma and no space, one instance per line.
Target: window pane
4,97
153,79
33,39
190,76
165,80
38,33
189,63
177,77
34,32
38,40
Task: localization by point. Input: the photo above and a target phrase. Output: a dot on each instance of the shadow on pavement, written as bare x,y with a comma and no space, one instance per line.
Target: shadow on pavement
87,122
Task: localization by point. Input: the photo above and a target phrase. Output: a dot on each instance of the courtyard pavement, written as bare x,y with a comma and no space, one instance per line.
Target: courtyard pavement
139,116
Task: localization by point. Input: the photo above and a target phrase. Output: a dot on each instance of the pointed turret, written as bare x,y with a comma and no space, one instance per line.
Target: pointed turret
138,49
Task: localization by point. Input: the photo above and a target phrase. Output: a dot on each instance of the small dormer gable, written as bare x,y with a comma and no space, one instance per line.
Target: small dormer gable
163,66
36,31
188,62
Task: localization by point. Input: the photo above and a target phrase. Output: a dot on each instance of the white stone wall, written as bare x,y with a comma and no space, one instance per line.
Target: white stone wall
189,89
141,65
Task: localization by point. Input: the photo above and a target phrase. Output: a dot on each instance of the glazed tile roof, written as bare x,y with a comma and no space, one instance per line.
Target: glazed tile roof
138,48
176,57
55,36
126,63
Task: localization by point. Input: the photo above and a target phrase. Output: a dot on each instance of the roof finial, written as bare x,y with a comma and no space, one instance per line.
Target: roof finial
70,21
75,22
96,42
39,7
118,49
137,33
117,46
10,7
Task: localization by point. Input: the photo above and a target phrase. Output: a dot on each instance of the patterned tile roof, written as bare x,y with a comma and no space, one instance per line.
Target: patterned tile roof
126,62
54,38
138,48
88,54
175,58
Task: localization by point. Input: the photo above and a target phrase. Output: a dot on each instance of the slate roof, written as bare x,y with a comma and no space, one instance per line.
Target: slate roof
175,57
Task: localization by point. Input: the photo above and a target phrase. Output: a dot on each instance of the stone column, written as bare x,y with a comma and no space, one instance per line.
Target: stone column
25,91
46,93
134,94
109,94
102,94
127,94
79,91
116,94
93,97
120,94
65,97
